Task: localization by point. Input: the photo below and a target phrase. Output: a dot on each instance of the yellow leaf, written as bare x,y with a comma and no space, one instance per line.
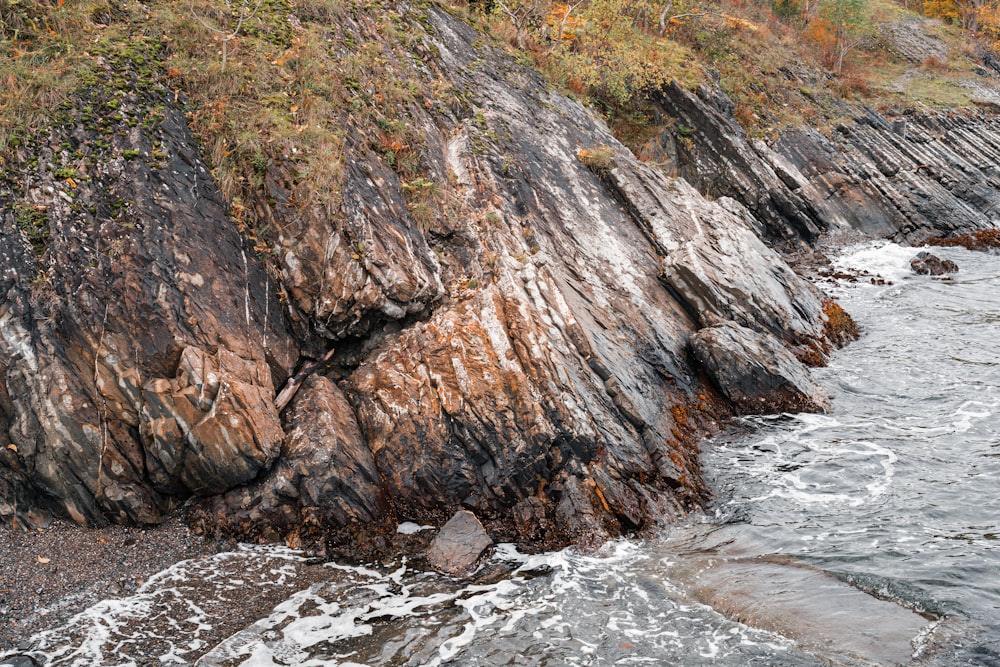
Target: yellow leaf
12,448
43,560
295,107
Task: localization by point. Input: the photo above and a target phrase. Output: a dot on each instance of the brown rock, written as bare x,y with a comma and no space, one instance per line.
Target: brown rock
326,479
211,428
460,544
926,264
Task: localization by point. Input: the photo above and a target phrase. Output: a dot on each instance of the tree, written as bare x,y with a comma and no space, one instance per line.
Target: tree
524,15
839,27
239,14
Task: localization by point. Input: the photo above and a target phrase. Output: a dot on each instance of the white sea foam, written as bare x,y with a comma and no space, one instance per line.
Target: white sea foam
558,601
881,258
410,528
168,617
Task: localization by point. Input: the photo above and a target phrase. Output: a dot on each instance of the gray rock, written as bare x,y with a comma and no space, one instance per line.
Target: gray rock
18,661
459,545
926,264
936,179
718,160
756,372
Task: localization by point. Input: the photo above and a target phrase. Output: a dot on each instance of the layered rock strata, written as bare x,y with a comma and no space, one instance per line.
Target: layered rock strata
521,331
909,176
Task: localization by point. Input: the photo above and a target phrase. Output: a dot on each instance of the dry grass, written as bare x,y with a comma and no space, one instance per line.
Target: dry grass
297,74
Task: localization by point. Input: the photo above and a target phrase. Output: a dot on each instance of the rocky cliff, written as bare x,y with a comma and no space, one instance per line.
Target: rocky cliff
909,176
526,322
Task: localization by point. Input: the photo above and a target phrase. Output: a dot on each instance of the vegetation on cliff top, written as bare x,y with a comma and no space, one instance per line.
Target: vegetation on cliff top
783,62
268,82
264,84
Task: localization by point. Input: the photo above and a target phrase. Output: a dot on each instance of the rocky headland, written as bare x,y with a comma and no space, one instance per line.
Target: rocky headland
503,311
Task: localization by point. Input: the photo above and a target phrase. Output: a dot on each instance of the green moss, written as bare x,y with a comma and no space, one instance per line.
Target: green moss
34,223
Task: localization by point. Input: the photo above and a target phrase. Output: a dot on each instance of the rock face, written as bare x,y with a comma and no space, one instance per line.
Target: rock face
139,344
517,343
931,265
908,177
460,544
326,476
713,154
755,372
938,178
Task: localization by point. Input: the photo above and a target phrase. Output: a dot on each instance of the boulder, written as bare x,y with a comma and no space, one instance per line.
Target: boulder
325,480
18,661
755,371
459,545
210,428
926,264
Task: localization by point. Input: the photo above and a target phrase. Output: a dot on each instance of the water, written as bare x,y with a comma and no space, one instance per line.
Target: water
827,534
898,490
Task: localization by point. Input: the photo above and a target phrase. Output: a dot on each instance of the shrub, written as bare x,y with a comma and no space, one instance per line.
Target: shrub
600,159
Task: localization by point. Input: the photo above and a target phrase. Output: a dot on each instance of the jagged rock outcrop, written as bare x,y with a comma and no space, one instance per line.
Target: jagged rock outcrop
931,265
929,175
756,372
326,476
713,154
518,345
108,276
908,177
211,428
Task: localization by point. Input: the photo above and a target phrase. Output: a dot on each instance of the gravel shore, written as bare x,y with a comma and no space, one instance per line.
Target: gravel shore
47,576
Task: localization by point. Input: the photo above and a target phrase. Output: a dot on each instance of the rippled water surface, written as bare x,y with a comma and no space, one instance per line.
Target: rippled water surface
828,533
898,490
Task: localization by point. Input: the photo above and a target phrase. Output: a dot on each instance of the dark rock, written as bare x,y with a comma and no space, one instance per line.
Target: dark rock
460,544
930,181
720,162
92,357
755,371
927,264
326,479
19,661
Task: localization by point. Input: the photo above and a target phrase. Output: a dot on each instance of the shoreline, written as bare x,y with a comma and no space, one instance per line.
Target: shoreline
48,576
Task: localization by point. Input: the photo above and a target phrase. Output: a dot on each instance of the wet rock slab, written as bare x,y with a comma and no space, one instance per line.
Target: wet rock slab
822,614
755,371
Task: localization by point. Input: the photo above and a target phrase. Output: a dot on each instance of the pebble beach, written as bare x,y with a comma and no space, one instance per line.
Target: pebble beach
47,576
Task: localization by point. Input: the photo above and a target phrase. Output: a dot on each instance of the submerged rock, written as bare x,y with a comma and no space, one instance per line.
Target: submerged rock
18,661
927,264
460,544
755,371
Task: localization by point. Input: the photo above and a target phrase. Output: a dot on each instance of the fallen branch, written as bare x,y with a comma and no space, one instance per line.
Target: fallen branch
292,386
